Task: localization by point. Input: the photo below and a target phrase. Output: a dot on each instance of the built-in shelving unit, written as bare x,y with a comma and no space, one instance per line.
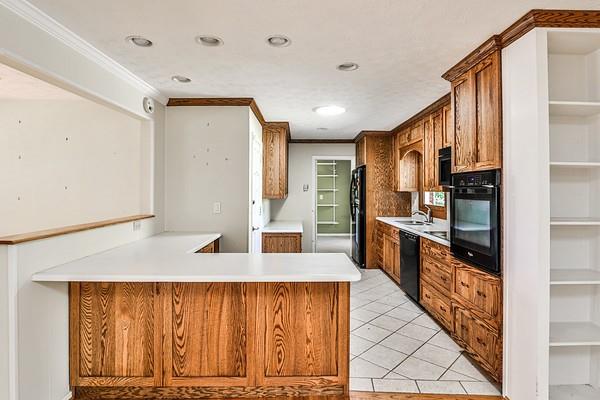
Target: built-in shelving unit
574,170
326,187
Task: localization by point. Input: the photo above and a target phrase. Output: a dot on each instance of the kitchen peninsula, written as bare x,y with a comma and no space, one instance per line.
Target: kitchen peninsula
155,319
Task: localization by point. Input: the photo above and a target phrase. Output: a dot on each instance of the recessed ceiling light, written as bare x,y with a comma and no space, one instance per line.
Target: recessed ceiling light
211,41
329,110
139,41
348,66
279,41
181,79
322,129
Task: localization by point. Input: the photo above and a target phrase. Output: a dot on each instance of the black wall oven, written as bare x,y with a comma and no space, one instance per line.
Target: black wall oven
475,218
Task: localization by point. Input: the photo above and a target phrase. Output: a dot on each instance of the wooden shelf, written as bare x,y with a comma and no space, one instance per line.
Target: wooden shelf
574,392
27,237
574,277
577,221
575,164
564,334
574,108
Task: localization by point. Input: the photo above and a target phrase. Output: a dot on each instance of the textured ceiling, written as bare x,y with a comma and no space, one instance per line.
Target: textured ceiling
402,47
15,85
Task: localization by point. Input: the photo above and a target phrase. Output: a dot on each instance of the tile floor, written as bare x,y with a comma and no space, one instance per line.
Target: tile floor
396,347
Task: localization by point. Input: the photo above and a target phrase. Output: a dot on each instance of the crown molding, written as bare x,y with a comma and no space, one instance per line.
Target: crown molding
36,17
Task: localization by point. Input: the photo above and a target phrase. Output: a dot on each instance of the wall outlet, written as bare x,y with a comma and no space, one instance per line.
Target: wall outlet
217,208
305,187
137,225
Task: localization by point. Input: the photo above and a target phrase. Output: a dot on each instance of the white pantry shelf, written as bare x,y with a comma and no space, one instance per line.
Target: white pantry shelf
327,205
575,164
574,108
574,277
574,334
327,223
574,221
328,190
574,392
326,176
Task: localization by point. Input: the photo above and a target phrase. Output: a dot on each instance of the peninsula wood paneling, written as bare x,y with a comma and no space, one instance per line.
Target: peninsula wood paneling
208,336
116,327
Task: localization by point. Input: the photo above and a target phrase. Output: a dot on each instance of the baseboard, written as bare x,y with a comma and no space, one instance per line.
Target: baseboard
68,396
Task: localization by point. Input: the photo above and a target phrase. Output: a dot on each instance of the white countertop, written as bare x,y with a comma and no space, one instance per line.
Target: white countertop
283,227
171,257
420,230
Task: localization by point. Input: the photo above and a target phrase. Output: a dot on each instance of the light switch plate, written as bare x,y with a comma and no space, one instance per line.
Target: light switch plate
305,187
217,208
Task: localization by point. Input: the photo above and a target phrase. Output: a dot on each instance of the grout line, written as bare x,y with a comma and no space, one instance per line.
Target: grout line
372,384
464,388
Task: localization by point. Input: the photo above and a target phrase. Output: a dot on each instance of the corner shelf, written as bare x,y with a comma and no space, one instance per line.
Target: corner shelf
574,334
574,108
574,277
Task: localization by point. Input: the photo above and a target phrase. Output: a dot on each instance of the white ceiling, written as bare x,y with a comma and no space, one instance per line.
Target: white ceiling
16,85
402,47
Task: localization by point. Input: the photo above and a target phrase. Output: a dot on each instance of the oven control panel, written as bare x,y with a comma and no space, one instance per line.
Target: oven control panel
484,178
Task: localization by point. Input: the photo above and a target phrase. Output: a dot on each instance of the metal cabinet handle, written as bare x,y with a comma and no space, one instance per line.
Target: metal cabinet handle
442,308
464,284
481,294
427,296
481,342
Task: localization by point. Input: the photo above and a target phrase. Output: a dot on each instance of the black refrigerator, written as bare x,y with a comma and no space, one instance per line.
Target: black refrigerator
357,210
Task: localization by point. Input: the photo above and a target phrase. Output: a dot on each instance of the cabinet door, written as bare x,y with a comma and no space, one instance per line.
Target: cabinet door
429,156
387,254
437,125
395,262
281,243
488,125
361,152
447,127
379,245
275,163
116,331
463,111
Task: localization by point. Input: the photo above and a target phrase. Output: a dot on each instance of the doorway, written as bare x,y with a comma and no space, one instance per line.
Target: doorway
331,204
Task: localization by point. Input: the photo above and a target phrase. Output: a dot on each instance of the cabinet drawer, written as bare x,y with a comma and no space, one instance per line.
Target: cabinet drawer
480,290
438,273
480,340
437,304
435,250
388,230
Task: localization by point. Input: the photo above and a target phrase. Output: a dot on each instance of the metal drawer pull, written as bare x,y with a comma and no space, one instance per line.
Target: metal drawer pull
481,342
464,284
442,277
427,297
481,294
442,308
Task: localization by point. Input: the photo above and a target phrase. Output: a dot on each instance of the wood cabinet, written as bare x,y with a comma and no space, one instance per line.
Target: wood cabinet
466,301
202,340
282,243
477,117
275,160
408,174
433,141
212,247
389,237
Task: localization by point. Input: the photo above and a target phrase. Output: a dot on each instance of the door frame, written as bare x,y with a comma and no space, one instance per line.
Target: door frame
352,160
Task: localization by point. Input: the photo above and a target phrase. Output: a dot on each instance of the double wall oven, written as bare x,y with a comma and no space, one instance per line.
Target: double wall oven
475,218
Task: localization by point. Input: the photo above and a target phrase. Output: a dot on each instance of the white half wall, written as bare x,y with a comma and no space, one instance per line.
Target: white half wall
207,162
526,217
299,204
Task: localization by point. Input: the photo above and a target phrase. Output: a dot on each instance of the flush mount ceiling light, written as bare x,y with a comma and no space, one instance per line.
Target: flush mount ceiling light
348,66
279,41
210,41
180,79
329,110
139,41
322,129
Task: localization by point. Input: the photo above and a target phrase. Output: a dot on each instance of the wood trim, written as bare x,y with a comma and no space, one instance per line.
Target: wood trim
362,134
322,141
211,102
280,124
74,296
63,230
533,19
258,114
436,105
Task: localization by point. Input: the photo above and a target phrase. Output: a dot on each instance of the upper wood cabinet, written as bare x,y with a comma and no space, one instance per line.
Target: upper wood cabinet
448,127
477,117
409,171
275,160
435,134
361,152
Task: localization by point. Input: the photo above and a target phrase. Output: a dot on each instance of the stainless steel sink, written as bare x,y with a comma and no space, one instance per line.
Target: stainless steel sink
412,222
440,234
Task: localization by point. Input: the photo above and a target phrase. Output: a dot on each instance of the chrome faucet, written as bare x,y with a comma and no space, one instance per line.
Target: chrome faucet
428,216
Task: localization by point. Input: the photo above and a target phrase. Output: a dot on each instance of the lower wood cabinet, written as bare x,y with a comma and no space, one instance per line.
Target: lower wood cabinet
466,301
388,248
212,247
282,243
184,340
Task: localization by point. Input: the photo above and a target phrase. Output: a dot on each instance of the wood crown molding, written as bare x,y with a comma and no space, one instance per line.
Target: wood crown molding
436,105
279,125
48,233
536,18
369,133
322,141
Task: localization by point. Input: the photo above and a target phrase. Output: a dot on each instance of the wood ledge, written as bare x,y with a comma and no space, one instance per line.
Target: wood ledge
64,230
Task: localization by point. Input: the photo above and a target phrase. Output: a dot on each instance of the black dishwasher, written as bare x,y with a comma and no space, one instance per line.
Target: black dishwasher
409,264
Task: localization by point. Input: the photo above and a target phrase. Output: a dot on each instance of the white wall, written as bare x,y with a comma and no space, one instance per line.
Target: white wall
526,217
68,162
207,161
299,204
